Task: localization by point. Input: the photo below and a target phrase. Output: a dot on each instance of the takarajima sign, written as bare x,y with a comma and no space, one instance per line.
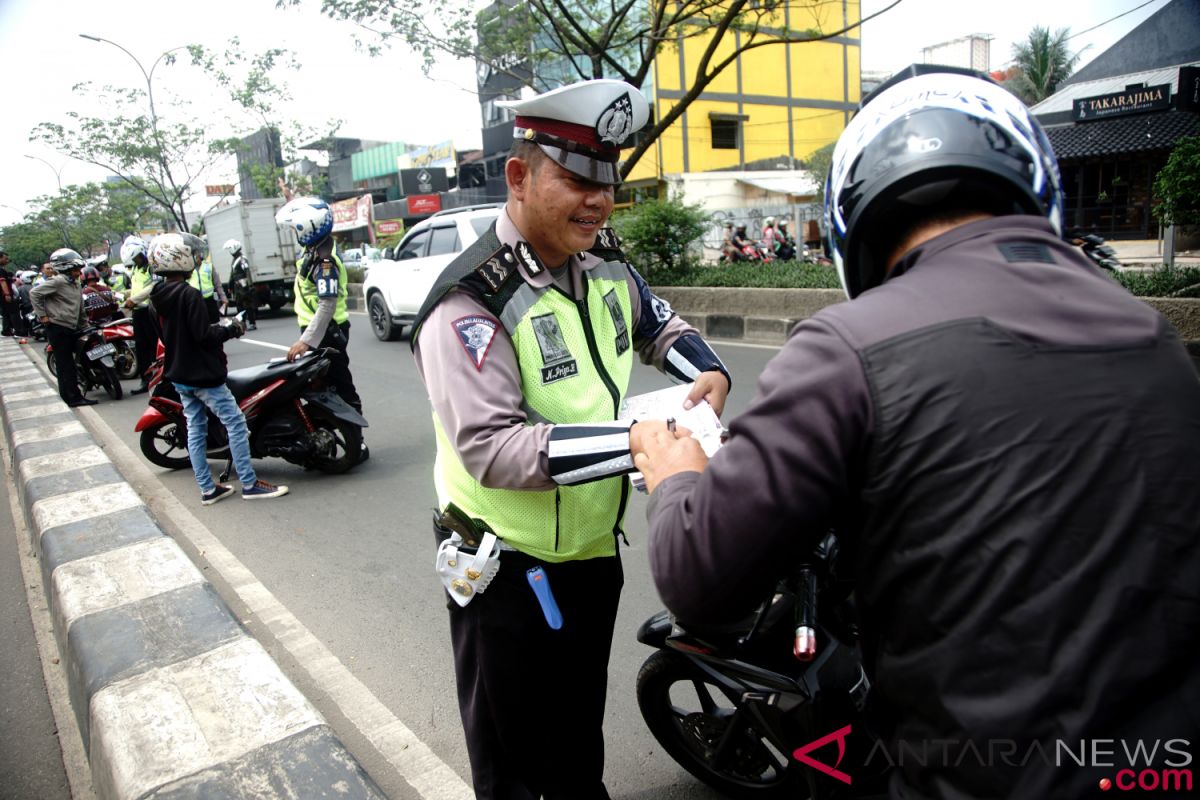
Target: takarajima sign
1134,100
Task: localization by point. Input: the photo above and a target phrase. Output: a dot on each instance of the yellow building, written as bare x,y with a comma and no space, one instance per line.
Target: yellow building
773,102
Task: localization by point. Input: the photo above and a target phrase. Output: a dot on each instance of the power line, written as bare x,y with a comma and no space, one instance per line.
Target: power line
1102,24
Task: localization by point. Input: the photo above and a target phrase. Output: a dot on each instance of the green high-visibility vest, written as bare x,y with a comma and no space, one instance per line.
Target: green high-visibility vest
574,368
202,279
140,279
306,293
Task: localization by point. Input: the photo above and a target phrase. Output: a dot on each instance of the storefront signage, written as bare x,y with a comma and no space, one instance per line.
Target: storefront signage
389,227
424,180
357,212
1131,101
218,190
421,204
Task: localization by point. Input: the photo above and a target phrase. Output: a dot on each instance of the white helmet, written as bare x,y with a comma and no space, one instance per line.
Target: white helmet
309,217
232,246
170,253
769,221
132,247
119,269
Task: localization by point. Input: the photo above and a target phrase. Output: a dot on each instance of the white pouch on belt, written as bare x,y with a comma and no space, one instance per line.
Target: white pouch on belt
466,574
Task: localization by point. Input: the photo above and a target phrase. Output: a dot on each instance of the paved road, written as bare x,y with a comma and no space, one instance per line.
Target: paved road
351,558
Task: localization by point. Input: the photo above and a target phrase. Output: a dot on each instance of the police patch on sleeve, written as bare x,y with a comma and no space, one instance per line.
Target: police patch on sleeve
475,333
326,278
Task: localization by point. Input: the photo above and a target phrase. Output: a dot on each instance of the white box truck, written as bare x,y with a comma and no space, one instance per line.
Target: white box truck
270,249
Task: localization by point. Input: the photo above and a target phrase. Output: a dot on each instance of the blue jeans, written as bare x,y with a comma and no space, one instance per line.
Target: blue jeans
220,400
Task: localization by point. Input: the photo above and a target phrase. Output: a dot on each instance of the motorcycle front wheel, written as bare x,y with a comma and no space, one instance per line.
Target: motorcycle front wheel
691,717
342,448
165,445
110,381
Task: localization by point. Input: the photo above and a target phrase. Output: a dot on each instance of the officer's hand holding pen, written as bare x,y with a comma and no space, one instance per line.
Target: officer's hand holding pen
659,452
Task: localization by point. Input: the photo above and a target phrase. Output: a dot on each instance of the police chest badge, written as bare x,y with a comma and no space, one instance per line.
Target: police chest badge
616,121
557,361
618,318
475,334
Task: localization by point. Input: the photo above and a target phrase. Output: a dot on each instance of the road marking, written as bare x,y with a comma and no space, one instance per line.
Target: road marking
271,345
410,757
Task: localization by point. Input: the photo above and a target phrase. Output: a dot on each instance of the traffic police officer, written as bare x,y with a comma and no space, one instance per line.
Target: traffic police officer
145,331
205,279
320,288
525,345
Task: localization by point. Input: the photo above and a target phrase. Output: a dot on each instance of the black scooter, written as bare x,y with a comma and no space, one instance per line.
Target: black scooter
766,708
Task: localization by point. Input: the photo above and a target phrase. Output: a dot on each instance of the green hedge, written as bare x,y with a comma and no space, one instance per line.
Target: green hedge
1162,282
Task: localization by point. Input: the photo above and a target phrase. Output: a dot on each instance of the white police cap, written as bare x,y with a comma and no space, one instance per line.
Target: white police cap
582,126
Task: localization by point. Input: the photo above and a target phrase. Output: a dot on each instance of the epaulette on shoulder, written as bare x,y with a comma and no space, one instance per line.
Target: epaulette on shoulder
485,270
608,246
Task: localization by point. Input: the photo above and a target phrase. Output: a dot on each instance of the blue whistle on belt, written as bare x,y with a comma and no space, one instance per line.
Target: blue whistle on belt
540,581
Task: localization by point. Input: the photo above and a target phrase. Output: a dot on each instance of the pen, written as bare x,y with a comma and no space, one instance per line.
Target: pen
671,425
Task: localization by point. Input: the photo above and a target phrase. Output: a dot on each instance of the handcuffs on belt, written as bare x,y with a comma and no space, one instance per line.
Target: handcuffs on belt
463,573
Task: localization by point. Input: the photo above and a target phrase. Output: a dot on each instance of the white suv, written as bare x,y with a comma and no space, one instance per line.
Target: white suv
394,289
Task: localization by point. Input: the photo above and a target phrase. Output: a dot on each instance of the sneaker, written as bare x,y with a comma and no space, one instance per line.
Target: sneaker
219,492
262,490
252,327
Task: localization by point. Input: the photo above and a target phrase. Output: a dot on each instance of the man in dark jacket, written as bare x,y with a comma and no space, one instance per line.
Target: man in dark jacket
58,303
1007,440
195,364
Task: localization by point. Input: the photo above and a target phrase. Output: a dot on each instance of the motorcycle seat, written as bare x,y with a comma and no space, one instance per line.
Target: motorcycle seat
247,381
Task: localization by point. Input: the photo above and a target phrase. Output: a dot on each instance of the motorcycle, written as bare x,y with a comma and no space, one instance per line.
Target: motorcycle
119,332
736,707
289,411
94,365
1101,254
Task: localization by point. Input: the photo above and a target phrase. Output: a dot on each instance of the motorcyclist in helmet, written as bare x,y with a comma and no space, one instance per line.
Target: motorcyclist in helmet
1004,437
740,241
58,303
141,280
99,302
321,284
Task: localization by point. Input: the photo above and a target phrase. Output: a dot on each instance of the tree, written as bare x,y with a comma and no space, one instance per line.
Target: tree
658,234
536,42
818,165
1043,61
1177,185
160,154
85,218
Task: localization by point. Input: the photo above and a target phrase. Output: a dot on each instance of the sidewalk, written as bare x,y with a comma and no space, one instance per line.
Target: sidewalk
1148,252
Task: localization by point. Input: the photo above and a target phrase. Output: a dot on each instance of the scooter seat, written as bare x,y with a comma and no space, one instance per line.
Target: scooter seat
247,381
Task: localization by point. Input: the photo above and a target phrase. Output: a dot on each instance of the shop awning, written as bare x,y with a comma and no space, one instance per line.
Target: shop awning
800,185
1132,134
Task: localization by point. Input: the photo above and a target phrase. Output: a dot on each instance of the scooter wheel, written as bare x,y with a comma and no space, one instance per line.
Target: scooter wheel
690,716
165,445
344,451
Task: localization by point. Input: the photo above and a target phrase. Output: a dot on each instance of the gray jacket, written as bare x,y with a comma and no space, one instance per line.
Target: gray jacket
61,300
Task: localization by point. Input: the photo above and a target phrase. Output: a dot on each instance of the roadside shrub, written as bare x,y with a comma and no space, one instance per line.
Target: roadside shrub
659,235
1162,282
355,274
775,275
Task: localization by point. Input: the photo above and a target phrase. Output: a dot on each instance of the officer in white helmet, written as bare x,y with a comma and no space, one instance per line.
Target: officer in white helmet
526,344
320,288
141,280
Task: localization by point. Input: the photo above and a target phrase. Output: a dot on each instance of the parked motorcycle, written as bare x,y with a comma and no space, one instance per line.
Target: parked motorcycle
290,413
120,333
94,365
733,706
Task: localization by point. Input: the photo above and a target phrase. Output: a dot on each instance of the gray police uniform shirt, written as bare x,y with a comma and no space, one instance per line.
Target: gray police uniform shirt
480,410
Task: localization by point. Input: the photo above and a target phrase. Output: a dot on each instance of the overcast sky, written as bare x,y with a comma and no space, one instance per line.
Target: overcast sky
386,97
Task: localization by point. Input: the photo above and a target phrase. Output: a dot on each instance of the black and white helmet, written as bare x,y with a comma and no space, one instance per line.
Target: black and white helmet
932,139
64,258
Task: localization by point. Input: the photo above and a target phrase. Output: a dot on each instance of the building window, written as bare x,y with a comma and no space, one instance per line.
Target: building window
726,130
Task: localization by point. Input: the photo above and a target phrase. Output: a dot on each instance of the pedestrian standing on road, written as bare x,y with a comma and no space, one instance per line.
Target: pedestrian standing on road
525,345
58,303
1006,440
195,364
242,283
145,330
320,288
9,313
205,278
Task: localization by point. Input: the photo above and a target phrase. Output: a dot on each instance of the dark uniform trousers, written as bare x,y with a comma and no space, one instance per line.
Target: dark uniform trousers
145,339
532,698
337,336
63,340
214,310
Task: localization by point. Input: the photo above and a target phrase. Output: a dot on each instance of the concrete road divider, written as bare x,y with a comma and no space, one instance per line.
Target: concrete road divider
173,698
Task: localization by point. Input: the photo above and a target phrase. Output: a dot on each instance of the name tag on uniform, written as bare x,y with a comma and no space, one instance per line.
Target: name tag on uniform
326,278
